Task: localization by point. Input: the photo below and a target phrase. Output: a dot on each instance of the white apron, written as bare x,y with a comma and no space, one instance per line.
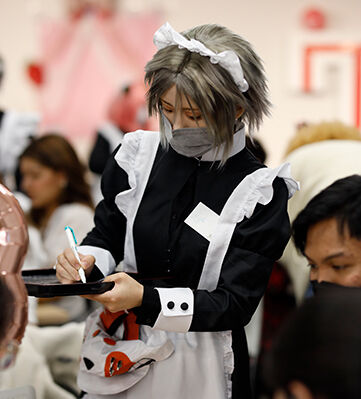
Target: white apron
201,365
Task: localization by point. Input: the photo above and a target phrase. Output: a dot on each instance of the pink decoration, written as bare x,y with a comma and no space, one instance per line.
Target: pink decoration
86,61
102,8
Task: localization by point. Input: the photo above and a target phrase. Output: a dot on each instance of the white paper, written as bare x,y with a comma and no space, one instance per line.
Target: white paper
203,220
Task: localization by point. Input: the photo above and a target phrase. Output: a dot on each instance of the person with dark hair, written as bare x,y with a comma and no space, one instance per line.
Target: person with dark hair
51,161
317,353
54,179
328,233
127,113
197,216
319,154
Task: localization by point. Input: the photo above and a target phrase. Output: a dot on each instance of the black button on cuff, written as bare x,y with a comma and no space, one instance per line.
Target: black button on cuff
170,305
184,306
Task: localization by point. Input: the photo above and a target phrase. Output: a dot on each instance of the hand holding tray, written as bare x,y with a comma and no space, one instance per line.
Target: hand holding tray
42,283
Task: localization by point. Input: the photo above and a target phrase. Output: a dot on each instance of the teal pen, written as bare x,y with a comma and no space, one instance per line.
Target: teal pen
72,242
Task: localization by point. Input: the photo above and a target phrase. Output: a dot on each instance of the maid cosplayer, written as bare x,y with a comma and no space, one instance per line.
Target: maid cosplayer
197,217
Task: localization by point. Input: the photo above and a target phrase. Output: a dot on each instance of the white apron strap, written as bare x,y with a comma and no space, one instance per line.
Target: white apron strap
136,157
253,189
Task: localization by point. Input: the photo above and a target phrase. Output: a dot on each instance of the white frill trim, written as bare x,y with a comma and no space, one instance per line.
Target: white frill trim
135,157
166,36
228,360
253,189
256,188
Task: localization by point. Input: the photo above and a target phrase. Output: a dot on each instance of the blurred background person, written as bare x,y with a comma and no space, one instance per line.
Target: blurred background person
328,233
319,154
317,353
16,130
34,362
277,303
127,113
54,179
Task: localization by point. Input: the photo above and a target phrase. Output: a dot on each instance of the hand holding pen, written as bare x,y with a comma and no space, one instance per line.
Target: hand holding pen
127,292
73,245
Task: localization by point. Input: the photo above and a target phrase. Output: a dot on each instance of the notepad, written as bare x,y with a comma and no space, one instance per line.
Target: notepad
203,220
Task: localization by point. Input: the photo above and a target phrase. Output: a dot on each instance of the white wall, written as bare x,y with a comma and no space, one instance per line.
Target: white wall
273,27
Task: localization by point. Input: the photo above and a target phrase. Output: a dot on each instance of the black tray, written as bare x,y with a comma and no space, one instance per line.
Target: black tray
42,283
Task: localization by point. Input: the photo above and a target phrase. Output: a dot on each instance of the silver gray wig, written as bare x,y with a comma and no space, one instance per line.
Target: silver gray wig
209,85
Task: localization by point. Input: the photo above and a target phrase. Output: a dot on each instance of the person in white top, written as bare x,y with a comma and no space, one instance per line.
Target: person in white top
53,177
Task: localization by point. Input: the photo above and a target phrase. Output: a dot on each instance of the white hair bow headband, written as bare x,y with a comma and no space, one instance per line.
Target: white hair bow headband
166,36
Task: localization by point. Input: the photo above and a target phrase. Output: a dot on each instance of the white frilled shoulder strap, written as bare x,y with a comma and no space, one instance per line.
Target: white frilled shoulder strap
253,189
135,157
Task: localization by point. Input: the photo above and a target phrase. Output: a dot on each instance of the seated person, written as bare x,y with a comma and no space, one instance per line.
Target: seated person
41,361
328,233
317,352
53,177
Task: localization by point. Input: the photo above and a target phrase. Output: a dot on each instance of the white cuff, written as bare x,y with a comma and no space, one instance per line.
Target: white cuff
103,258
177,309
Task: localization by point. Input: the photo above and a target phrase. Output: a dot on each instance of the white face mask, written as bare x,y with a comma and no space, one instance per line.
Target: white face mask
190,142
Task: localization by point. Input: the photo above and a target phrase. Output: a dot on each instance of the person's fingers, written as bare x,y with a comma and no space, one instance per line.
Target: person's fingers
127,293
64,276
103,298
65,270
87,262
115,277
71,258
106,296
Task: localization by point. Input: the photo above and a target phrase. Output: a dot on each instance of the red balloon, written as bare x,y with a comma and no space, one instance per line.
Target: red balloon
35,73
314,18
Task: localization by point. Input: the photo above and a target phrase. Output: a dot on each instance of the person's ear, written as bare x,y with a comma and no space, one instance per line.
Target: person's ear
299,390
63,180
